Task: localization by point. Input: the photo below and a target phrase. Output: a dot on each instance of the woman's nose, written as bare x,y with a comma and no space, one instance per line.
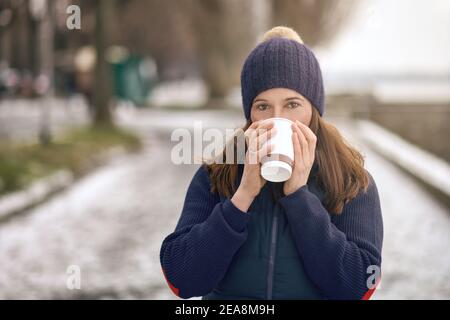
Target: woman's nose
277,113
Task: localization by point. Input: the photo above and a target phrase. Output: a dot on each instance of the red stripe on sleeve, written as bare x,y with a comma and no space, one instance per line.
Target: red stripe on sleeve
171,286
370,292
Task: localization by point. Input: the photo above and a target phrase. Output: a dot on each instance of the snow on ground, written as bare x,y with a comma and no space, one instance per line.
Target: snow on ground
110,224
21,119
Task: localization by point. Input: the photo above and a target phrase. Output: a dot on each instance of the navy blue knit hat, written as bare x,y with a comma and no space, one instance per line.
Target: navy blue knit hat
282,61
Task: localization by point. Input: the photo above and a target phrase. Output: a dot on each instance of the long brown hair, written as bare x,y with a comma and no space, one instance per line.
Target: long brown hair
341,174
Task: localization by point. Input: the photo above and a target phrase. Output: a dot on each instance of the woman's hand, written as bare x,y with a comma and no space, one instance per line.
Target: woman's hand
304,150
256,137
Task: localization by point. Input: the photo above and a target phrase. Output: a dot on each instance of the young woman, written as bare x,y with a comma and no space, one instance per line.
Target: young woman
317,235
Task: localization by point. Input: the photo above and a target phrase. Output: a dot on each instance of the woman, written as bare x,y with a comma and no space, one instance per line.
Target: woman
317,235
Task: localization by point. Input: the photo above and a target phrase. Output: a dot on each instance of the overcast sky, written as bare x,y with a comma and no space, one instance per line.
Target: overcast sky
392,37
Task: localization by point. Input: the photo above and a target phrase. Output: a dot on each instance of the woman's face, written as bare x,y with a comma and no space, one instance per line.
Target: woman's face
282,103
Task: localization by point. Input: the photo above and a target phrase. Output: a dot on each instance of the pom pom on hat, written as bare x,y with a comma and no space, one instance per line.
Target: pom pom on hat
282,32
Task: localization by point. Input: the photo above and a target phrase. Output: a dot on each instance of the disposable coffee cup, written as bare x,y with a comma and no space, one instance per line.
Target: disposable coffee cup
277,165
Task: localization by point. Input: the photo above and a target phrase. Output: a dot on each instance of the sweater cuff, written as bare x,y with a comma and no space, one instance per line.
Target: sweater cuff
236,218
297,199
303,203
294,195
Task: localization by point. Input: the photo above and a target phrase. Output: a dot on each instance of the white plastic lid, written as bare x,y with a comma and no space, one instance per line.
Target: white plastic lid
276,171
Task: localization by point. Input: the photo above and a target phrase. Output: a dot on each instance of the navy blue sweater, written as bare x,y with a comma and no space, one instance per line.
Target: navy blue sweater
336,251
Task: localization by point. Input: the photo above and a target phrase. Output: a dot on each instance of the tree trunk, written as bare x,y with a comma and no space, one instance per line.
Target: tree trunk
103,85
224,37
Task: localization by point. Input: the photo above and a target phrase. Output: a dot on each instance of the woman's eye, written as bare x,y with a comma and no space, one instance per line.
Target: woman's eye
262,107
293,105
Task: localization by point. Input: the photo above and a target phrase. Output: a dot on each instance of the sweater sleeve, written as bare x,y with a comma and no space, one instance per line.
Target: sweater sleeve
196,256
337,255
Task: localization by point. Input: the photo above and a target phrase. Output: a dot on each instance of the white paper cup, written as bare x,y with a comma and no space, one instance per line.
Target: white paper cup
277,165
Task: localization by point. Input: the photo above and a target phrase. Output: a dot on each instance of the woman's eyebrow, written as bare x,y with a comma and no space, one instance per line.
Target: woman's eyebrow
259,99
294,98
287,99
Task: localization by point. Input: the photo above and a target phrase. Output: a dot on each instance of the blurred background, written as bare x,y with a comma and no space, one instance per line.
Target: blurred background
91,91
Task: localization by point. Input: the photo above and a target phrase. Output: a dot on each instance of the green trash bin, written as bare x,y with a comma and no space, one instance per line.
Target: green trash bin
134,77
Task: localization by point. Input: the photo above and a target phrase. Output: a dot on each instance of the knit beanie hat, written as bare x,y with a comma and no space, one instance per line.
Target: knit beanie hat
282,60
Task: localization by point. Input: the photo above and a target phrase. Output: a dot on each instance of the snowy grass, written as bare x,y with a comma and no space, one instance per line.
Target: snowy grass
21,164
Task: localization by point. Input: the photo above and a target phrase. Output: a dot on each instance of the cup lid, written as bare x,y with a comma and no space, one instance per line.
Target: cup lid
276,171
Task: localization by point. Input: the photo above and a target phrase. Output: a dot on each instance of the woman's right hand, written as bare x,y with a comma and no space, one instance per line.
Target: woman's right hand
256,137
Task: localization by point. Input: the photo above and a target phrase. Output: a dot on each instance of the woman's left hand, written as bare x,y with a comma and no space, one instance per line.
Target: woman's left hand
304,141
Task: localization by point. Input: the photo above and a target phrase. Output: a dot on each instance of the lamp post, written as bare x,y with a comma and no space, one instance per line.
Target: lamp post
43,11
